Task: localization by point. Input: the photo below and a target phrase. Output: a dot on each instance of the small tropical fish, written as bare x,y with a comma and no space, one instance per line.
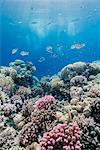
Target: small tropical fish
24,53
41,59
76,19
54,55
49,49
59,46
77,46
14,50
33,22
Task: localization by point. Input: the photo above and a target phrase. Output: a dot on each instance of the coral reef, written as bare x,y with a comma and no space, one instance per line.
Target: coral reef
61,112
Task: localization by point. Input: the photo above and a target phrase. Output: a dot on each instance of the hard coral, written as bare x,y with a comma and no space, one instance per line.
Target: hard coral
23,91
24,72
28,134
44,119
78,80
90,135
95,91
62,137
72,70
76,92
6,83
56,82
44,102
17,148
7,138
95,110
8,71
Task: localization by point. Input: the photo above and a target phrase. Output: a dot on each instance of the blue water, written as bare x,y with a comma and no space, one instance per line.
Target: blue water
33,25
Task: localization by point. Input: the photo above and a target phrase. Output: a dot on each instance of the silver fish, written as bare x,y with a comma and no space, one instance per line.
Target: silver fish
41,59
24,53
14,50
78,46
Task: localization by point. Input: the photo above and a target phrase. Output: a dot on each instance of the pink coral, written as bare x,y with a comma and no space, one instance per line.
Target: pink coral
62,137
44,102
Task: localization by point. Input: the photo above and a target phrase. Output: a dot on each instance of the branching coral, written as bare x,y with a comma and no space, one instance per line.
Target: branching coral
19,120
8,109
27,109
44,102
44,119
28,134
17,101
62,137
3,97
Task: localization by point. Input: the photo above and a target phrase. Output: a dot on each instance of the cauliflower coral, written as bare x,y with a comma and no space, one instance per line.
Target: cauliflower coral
62,137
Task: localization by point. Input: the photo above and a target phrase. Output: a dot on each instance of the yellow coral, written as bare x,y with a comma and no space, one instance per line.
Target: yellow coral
56,82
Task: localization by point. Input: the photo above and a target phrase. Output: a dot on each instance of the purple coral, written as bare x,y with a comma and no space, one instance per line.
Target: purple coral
44,102
62,137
